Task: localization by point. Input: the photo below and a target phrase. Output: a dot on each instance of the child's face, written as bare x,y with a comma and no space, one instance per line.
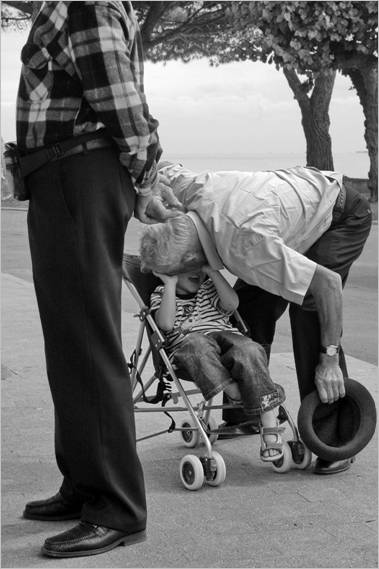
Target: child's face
189,283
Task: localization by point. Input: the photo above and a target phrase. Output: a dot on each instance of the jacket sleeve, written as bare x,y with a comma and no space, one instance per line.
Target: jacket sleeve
107,51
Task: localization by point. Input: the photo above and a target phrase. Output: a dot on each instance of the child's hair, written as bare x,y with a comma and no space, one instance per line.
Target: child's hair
171,247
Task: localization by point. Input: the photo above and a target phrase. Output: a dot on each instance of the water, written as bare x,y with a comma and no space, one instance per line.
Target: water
352,164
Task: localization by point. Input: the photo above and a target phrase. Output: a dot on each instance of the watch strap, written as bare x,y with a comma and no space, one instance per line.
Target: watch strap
326,349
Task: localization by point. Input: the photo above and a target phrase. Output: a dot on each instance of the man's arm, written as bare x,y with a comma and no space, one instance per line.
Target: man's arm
326,289
111,76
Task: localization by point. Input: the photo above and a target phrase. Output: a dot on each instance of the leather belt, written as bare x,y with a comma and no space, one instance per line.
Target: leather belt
85,147
339,206
34,160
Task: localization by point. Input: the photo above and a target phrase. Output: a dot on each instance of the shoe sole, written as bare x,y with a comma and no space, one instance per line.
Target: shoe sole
225,435
331,472
131,539
52,518
337,471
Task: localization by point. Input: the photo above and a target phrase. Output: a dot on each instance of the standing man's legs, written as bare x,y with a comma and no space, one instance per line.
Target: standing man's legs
78,214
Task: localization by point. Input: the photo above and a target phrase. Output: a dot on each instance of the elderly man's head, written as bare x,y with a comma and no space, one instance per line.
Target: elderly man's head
172,247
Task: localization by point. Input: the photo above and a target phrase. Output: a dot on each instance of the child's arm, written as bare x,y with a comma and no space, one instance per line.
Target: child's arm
228,296
165,315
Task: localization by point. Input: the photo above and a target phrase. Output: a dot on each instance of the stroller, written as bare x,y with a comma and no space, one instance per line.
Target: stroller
200,427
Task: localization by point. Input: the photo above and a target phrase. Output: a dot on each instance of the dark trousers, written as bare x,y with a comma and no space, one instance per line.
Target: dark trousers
78,213
337,249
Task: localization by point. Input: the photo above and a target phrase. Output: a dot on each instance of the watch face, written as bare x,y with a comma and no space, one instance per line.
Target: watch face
331,350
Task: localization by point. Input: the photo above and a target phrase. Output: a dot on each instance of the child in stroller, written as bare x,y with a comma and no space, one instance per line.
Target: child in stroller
193,309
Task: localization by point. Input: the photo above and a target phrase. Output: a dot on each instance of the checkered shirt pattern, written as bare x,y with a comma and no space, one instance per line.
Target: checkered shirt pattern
82,71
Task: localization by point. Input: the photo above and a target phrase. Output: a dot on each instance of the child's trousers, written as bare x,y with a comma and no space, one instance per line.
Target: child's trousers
216,359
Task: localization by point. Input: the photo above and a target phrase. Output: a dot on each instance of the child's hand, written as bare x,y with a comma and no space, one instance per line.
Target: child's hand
166,279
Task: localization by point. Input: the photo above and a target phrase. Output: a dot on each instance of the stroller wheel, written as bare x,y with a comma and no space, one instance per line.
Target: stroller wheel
306,460
219,475
284,463
191,472
190,434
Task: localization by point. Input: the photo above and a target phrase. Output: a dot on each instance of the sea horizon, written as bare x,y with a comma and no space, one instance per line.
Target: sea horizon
353,164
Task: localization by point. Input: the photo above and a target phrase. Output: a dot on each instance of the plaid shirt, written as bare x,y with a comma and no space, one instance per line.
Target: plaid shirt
83,71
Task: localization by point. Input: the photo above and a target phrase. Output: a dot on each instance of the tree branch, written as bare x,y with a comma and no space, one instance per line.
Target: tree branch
297,88
205,21
323,89
156,10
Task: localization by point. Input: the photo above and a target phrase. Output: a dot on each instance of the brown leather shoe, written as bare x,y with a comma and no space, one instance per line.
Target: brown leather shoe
332,467
89,539
52,509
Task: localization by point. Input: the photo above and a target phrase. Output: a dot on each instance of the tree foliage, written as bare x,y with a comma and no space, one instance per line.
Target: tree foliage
311,36
181,30
308,41
312,39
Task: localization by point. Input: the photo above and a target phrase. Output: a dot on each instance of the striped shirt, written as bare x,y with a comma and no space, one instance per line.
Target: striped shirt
83,71
199,313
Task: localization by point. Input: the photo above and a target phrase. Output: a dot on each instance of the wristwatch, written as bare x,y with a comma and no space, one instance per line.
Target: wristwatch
330,350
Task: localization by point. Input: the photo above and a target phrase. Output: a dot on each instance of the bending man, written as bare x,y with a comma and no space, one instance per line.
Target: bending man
290,236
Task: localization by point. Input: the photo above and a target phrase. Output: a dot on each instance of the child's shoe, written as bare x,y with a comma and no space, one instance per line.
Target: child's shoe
271,445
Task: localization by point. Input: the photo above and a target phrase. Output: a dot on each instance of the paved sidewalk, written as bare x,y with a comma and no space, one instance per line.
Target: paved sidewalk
257,518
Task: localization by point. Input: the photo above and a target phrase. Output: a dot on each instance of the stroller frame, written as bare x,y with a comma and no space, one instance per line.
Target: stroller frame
201,427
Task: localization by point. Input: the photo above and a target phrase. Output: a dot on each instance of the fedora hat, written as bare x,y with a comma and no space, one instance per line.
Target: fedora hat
338,430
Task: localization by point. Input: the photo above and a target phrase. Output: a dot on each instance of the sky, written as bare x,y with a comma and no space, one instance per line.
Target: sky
242,108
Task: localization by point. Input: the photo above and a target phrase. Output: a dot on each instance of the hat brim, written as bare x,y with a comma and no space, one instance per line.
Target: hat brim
339,430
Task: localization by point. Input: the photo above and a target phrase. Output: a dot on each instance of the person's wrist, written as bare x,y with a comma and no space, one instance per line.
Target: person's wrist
145,186
145,192
329,360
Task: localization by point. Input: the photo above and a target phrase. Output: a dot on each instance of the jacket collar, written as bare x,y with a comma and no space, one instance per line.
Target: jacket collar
210,250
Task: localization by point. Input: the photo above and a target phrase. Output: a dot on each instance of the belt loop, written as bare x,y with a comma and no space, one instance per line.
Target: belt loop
54,151
339,206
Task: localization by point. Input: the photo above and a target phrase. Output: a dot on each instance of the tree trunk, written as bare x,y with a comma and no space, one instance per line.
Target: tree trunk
152,17
315,116
365,81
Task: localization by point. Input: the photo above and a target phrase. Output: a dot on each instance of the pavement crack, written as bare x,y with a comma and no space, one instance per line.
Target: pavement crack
304,497
7,372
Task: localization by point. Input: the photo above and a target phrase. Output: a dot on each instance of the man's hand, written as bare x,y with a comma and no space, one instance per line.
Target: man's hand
159,205
329,380
150,209
161,188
